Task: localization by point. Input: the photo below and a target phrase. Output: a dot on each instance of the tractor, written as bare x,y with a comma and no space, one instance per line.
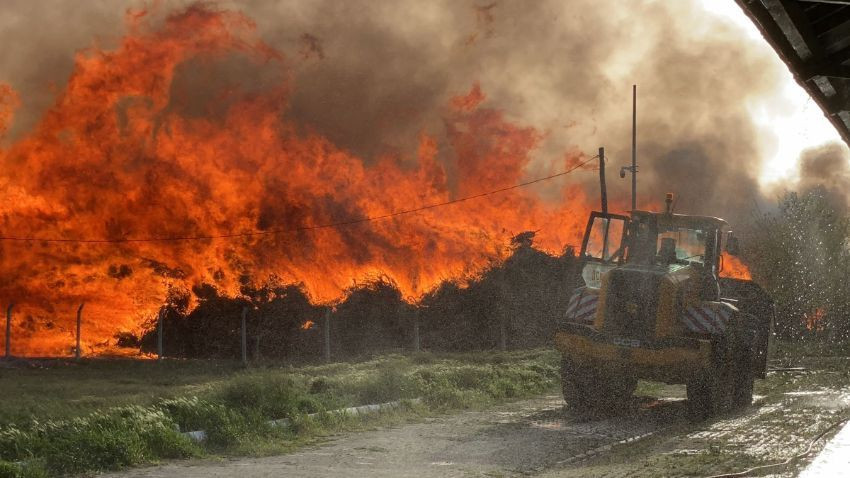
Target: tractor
651,305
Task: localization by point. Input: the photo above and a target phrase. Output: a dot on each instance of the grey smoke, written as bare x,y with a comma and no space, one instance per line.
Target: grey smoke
826,169
373,75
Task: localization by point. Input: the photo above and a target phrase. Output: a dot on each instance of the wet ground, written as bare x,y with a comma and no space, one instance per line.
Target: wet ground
834,459
539,438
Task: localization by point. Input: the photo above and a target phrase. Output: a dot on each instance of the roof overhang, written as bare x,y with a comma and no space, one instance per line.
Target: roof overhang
812,37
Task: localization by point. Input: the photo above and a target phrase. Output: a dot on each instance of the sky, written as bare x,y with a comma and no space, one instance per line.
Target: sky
796,120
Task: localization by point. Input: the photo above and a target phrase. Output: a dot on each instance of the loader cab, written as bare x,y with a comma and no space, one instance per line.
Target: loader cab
655,241
662,239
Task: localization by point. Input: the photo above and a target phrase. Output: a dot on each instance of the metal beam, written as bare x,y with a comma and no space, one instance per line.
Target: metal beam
844,116
835,105
839,57
829,70
804,57
786,18
826,18
774,35
831,66
833,2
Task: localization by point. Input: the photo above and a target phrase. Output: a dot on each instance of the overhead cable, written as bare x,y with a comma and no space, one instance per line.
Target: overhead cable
269,232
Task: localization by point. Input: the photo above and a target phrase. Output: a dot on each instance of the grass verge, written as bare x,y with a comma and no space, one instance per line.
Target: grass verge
234,405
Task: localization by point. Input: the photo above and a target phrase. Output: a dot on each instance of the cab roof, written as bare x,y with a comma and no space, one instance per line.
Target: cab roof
683,220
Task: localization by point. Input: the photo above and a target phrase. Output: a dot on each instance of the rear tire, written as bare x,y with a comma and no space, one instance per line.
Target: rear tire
710,393
590,390
706,395
743,378
729,385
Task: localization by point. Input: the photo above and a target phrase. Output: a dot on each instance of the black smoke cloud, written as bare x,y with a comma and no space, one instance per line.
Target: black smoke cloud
826,170
372,76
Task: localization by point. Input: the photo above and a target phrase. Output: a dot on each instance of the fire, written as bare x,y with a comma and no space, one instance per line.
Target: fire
9,101
734,268
137,147
307,325
814,319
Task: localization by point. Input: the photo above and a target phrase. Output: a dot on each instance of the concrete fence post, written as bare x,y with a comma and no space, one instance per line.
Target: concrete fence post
326,326
504,308
416,342
77,352
159,326
244,336
9,330
503,339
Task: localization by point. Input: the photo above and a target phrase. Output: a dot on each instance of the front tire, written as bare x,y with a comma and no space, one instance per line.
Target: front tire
591,390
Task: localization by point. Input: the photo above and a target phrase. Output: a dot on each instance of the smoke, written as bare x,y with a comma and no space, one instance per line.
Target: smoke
201,119
372,76
826,169
563,67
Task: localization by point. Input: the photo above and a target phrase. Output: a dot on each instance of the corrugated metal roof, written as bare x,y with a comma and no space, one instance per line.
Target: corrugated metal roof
813,38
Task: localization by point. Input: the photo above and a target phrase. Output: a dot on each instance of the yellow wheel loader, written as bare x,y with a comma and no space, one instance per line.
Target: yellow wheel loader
651,306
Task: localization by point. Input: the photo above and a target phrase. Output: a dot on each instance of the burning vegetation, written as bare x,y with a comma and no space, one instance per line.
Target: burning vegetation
527,291
197,152
130,155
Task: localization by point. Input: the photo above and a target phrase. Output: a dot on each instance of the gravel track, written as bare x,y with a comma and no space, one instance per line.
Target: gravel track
520,438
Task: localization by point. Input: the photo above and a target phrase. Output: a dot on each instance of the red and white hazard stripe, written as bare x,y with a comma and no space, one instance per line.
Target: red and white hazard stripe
708,317
582,306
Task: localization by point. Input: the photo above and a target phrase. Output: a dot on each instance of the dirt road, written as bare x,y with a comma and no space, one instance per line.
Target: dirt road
538,437
525,437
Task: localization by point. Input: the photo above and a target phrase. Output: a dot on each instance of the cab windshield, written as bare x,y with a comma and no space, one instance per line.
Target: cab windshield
667,245
681,245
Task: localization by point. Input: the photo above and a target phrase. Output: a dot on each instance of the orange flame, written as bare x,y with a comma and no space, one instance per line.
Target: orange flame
734,268
814,319
9,102
129,150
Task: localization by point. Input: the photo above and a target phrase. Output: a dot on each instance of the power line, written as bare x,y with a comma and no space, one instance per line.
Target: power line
297,229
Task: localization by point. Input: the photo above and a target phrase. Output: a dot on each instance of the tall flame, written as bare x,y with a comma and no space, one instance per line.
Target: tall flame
158,138
135,147
734,268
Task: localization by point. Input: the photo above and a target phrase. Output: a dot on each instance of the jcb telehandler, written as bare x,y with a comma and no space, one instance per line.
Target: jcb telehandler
651,306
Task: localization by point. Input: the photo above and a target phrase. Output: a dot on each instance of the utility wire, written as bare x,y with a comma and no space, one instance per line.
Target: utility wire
297,229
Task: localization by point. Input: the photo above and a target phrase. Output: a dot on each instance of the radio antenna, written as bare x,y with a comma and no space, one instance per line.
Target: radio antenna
634,147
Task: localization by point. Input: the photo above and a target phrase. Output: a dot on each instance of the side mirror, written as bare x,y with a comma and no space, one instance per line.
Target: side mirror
733,248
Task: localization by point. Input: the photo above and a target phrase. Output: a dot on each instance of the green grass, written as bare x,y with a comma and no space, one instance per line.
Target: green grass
64,388
71,418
